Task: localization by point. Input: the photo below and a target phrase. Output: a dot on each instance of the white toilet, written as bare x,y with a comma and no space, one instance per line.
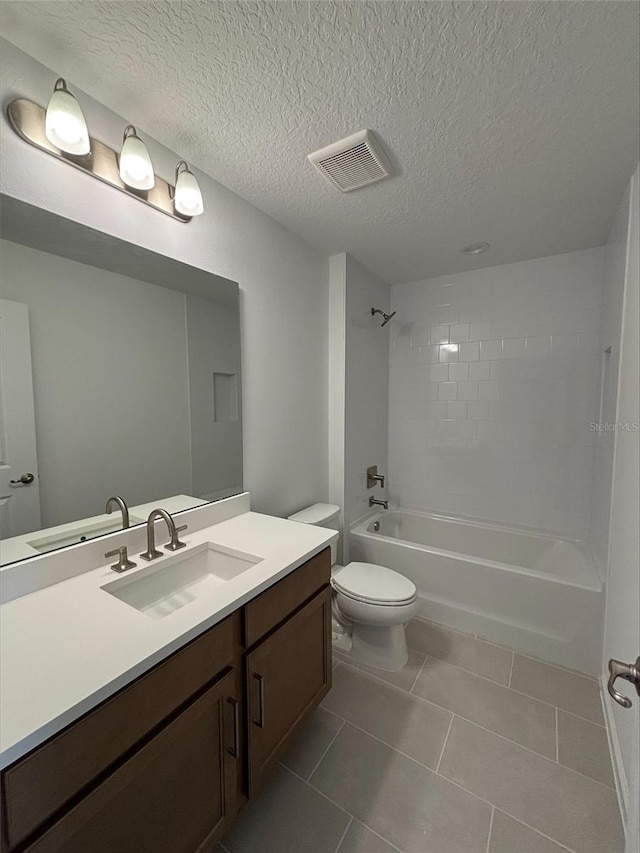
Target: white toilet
371,604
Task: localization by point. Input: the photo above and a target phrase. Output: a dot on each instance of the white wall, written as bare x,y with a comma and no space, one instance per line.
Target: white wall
614,278
494,380
92,329
283,284
358,388
367,387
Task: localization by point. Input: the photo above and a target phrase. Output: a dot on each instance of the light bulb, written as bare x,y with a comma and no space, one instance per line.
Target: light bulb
188,198
64,124
136,168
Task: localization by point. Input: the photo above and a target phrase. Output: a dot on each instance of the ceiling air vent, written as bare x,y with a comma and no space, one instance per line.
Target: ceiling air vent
353,162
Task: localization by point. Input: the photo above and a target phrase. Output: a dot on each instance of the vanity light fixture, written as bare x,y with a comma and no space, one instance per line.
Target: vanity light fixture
61,131
65,125
188,198
135,166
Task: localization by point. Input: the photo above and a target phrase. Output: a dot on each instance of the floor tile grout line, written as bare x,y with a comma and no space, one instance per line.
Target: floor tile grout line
463,668
333,739
557,739
504,811
513,657
507,648
448,711
342,808
415,680
559,667
441,775
344,835
444,744
578,717
533,752
493,811
493,681
466,720
538,831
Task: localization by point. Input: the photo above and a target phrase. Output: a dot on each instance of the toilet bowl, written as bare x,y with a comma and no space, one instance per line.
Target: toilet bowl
371,604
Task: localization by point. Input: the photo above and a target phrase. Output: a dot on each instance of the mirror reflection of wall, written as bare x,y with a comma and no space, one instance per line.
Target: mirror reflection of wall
127,376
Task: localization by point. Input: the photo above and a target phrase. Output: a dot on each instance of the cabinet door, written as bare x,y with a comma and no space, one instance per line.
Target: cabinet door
175,795
287,676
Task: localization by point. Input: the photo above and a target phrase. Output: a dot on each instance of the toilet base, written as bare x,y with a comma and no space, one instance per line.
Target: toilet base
384,648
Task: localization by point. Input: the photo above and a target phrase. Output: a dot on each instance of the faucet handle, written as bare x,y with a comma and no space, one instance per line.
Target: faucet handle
124,562
175,543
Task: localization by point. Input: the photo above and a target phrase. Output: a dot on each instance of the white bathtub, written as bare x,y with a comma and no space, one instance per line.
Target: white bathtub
535,592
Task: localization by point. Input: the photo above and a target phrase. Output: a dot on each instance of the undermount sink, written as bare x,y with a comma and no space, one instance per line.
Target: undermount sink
72,535
159,590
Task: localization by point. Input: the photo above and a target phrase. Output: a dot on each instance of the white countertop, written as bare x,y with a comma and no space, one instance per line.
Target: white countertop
67,647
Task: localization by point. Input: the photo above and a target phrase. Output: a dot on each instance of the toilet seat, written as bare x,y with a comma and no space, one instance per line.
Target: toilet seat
373,584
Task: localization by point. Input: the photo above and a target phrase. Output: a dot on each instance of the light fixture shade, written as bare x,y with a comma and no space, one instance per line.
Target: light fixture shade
64,124
135,166
188,198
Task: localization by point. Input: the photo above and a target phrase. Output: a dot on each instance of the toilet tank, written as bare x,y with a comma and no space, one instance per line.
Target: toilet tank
321,515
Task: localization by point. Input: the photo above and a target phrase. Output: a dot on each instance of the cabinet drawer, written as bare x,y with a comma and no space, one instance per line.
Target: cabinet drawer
40,784
172,796
273,606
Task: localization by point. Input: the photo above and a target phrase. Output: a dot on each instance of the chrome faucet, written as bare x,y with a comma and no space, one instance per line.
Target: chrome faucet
152,552
374,502
121,506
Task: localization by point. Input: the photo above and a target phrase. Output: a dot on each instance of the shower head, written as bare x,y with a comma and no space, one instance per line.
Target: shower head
386,317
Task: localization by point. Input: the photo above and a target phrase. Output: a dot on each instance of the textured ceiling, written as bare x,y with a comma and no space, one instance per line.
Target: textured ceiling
512,122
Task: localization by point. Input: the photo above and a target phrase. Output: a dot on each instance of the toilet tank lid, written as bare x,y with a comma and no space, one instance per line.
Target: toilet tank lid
316,514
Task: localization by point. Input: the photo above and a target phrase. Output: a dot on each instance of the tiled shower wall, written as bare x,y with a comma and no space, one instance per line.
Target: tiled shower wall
495,379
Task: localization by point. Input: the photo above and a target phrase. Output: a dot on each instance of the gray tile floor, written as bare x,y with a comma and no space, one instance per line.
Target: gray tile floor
470,749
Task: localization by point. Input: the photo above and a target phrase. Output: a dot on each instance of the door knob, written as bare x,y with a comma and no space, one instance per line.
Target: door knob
23,480
628,671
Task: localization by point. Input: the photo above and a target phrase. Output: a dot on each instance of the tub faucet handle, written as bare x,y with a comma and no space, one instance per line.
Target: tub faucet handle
373,477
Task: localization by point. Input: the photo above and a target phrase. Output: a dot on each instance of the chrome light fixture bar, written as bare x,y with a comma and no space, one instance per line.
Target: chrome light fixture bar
28,120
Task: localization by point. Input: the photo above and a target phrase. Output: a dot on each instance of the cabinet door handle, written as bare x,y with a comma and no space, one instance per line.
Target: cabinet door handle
233,751
260,721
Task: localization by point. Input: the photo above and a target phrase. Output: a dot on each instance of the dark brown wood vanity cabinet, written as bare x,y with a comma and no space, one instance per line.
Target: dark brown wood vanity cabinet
164,765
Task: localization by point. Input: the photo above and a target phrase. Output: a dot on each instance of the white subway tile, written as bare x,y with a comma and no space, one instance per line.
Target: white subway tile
480,331
459,333
489,390
448,352
458,372
466,429
480,370
539,346
457,409
439,372
490,350
514,348
478,410
468,390
440,335
470,351
447,390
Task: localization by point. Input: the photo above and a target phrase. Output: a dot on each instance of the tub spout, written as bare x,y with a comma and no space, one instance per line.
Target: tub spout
374,502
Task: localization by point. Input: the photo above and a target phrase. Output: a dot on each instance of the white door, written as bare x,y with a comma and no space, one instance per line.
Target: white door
622,632
19,488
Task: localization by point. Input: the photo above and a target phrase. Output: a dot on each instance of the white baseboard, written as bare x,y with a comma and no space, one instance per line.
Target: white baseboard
622,788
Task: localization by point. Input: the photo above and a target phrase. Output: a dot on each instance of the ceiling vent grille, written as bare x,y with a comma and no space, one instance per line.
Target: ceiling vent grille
353,162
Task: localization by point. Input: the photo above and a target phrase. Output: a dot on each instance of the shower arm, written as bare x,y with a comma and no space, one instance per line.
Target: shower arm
383,314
